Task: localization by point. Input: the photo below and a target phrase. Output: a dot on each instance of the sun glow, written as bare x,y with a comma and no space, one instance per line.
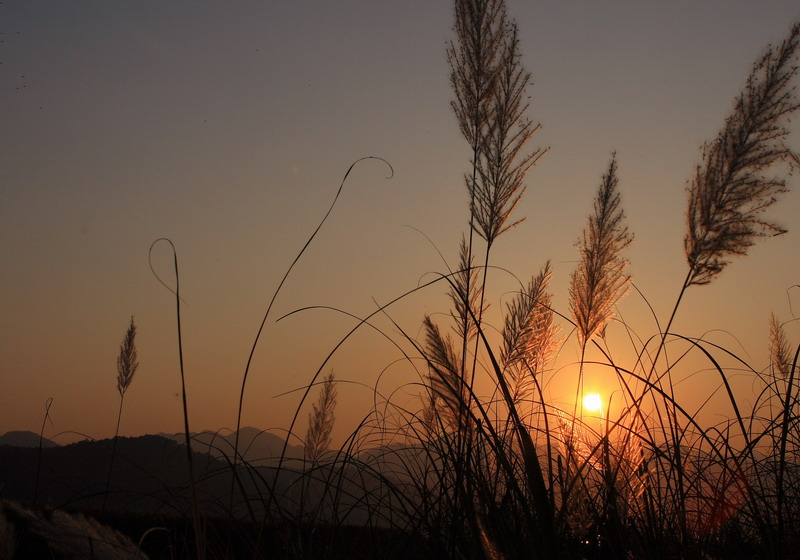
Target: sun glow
592,402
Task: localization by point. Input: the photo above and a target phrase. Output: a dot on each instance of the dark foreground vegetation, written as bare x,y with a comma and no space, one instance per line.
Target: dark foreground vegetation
467,473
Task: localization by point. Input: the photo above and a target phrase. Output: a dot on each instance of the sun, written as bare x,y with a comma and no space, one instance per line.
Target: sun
592,402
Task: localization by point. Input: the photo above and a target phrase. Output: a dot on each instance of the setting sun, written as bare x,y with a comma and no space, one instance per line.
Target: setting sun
592,402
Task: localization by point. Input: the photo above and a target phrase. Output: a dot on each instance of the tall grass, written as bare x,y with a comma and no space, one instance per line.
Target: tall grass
512,475
468,473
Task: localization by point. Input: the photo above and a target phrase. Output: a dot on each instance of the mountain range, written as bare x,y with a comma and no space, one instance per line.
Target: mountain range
149,475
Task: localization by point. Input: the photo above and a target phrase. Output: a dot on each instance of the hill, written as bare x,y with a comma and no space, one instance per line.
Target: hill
25,439
149,474
256,447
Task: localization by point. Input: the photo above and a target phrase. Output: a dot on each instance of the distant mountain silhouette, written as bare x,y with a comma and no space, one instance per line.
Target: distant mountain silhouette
150,474
150,477
257,447
25,439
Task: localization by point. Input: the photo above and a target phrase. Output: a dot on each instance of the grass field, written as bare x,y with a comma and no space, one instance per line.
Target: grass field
481,463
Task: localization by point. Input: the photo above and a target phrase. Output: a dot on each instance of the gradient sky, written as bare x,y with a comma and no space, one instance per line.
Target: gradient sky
227,127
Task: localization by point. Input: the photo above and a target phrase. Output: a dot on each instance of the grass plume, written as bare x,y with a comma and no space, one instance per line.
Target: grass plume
479,29
445,377
779,351
529,334
503,162
601,278
127,364
128,360
730,191
320,420
466,293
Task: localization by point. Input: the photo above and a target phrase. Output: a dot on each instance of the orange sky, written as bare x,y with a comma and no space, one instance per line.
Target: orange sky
228,127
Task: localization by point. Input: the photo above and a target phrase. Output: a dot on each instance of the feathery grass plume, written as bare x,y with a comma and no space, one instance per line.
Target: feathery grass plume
31,533
529,333
779,352
479,28
576,443
730,193
502,164
474,58
320,421
127,361
429,414
445,378
465,292
601,278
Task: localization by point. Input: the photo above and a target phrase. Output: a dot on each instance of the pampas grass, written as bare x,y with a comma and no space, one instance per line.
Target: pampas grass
729,192
780,354
320,420
503,163
601,278
445,378
529,335
508,472
479,29
649,483
127,361
127,364
46,418
466,294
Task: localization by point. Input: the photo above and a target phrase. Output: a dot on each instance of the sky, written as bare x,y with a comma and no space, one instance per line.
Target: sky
227,127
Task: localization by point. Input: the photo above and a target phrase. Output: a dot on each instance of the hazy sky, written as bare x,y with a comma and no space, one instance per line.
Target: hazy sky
227,127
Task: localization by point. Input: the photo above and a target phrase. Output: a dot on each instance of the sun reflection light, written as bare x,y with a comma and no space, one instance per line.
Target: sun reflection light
592,402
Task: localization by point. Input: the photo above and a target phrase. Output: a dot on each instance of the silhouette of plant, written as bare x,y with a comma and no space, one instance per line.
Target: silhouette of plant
729,192
320,421
127,363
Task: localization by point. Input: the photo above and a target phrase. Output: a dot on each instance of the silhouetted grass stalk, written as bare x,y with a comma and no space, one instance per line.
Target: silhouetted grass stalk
47,406
601,278
197,520
127,363
278,290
